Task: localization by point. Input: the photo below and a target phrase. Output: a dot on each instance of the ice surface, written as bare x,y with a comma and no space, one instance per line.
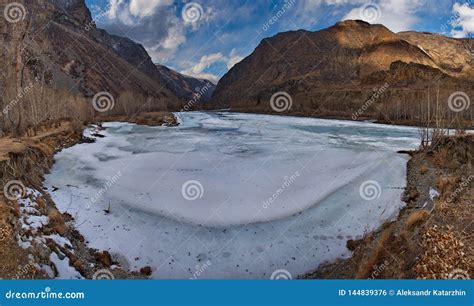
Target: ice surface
277,192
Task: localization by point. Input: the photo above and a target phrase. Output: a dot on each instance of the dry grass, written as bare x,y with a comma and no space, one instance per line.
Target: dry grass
417,217
424,169
56,222
445,185
55,217
367,264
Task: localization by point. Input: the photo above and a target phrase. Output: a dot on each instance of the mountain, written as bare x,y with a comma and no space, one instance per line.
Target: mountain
185,86
352,69
52,50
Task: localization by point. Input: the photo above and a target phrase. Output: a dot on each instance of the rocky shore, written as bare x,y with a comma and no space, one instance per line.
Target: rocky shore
36,240
432,236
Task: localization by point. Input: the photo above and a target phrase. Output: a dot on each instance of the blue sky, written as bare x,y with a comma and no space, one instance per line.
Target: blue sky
205,38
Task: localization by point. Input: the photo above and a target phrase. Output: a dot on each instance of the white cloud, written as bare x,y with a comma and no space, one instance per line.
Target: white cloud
130,12
214,79
205,62
169,44
397,15
464,20
233,59
152,23
144,8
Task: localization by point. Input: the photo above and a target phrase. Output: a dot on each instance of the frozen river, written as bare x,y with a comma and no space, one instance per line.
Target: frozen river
229,195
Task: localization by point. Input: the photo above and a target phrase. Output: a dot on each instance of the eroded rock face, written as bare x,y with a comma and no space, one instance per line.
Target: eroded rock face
335,71
58,42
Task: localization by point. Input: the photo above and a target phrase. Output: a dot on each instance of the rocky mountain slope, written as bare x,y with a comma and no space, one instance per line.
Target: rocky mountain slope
55,60
185,86
351,70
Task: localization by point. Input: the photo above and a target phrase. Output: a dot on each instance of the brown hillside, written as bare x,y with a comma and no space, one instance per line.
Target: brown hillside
335,71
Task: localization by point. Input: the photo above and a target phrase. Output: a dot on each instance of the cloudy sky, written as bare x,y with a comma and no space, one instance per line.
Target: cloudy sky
205,38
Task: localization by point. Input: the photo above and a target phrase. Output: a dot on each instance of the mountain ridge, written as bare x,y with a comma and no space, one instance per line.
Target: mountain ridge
333,72
56,48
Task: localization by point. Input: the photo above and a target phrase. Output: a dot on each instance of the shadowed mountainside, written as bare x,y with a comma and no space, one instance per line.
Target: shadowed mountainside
55,61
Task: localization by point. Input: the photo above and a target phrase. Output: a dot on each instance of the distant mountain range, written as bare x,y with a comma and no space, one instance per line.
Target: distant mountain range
352,65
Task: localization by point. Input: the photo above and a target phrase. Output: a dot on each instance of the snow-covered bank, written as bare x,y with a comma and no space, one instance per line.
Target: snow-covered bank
243,194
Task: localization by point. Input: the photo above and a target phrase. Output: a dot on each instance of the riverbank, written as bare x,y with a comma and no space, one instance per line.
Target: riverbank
36,240
315,165
432,236
352,118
